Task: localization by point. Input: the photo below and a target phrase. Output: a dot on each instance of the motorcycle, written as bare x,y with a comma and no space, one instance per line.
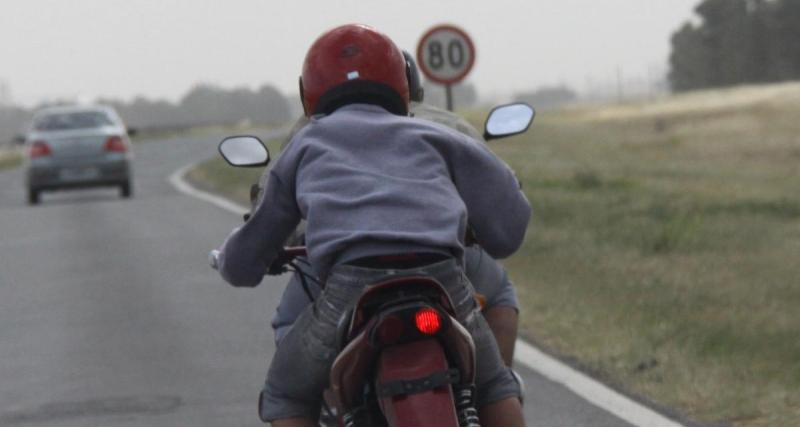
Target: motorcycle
403,359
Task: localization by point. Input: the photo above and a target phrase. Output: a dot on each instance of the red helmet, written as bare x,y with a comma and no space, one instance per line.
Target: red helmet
353,63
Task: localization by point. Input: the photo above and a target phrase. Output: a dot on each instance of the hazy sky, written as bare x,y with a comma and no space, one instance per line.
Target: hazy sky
159,48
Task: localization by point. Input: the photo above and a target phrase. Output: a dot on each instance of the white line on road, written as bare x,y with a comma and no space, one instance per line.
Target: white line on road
177,180
551,368
590,389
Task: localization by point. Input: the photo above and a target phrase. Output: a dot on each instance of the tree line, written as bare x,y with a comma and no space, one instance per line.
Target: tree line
203,105
736,42
548,97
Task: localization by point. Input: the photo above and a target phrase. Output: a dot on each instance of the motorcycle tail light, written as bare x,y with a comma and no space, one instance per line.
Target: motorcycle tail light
390,330
39,149
428,321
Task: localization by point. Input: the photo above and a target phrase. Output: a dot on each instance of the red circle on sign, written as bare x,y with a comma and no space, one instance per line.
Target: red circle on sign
423,66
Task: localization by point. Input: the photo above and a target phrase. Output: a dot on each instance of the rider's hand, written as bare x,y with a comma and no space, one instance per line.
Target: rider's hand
278,265
213,259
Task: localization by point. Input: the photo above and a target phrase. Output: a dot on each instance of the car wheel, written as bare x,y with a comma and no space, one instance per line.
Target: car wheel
33,196
125,190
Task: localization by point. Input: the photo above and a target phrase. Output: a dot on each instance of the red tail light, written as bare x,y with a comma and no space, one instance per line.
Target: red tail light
428,321
115,144
39,149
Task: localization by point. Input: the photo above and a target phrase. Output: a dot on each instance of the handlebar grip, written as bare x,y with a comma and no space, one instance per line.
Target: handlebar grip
295,251
285,256
213,259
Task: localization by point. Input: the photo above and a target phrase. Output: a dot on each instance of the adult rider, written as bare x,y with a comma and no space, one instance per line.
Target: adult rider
372,182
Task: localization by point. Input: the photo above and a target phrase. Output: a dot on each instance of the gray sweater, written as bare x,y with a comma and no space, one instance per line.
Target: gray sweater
372,183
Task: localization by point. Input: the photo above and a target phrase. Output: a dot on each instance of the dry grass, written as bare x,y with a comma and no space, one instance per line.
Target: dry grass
665,245
10,158
216,176
149,135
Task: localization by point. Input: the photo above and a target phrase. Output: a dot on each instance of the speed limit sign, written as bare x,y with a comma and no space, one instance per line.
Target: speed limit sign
445,54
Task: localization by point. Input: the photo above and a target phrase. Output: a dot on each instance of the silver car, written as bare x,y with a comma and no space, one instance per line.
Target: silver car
77,147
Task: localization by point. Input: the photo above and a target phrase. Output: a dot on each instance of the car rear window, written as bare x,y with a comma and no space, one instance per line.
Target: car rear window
76,120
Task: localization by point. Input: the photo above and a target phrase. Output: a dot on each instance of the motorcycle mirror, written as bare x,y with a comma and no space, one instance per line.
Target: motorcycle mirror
244,151
508,120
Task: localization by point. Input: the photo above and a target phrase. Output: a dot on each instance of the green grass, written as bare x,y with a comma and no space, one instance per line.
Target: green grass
9,159
663,253
145,136
666,260
217,176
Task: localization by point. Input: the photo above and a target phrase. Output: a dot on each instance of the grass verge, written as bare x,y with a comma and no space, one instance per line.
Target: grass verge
10,159
217,176
147,135
663,251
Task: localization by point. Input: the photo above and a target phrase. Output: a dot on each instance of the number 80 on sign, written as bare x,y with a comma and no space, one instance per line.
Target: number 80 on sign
445,54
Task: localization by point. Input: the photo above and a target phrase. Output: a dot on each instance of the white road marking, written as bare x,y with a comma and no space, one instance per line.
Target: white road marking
590,389
581,384
177,179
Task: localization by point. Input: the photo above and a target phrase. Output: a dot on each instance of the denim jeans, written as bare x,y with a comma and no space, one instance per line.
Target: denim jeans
485,274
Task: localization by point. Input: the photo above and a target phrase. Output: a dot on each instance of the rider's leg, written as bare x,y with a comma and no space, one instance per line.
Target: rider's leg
295,299
299,369
507,413
503,322
502,307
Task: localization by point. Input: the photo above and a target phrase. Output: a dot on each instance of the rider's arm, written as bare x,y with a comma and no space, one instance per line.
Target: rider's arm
256,198
247,252
498,210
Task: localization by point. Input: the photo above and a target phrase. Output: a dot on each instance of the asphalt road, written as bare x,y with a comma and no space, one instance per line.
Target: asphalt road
110,316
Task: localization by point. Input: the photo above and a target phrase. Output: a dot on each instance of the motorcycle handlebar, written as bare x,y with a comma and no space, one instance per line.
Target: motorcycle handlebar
213,259
286,255
278,266
295,251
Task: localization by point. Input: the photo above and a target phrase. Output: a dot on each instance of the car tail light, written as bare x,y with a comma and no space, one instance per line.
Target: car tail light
390,330
39,149
115,144
428,321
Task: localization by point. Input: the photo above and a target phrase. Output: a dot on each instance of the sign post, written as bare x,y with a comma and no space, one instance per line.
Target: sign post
445,54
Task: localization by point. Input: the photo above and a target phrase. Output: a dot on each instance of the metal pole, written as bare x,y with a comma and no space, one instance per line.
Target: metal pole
449,93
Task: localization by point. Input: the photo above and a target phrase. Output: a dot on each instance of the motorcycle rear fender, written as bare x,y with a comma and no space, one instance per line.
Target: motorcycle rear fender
461,350
411,361
350,370
352,365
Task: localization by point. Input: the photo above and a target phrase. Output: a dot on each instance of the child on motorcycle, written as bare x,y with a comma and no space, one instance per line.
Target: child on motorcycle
490,280
372,182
